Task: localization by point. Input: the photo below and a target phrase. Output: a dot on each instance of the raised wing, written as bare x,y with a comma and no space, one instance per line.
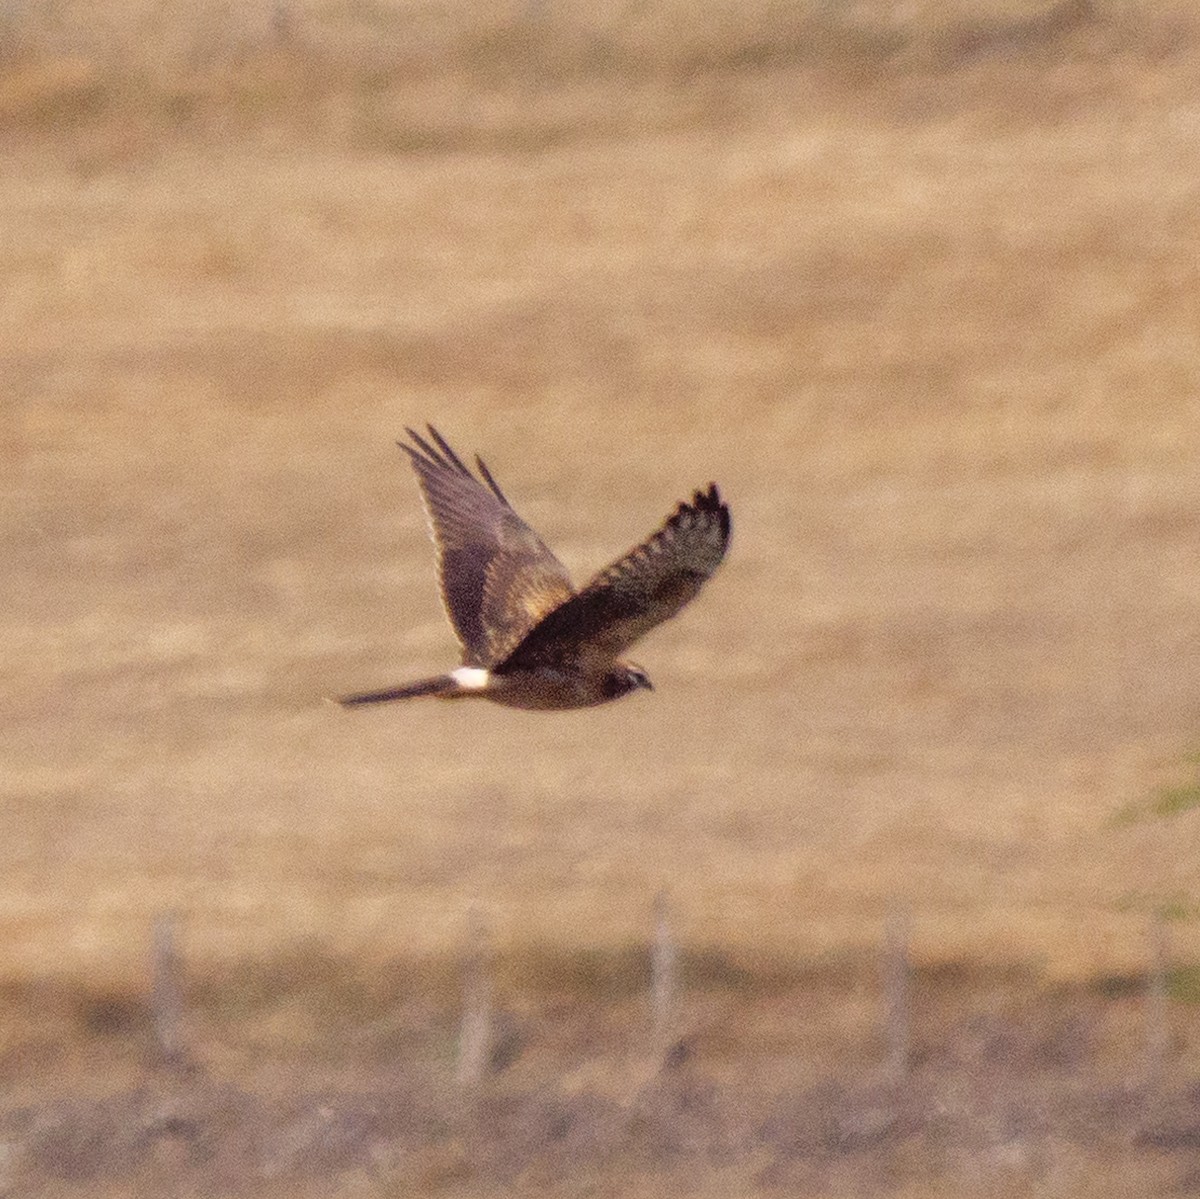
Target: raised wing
627,599
498,579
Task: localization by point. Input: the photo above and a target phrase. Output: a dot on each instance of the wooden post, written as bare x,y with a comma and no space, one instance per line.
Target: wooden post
475,1033
166,989
1158,1032
281,21
897,990
664,968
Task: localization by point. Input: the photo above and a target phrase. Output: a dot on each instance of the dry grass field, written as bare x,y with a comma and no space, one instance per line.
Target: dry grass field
918,284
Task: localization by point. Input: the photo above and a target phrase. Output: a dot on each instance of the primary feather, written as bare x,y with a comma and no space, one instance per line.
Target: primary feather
497,576
640,590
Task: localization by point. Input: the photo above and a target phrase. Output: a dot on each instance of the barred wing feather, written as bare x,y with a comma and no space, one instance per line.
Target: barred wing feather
625,601
498,579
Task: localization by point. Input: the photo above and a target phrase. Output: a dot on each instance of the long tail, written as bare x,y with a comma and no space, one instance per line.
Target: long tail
443,685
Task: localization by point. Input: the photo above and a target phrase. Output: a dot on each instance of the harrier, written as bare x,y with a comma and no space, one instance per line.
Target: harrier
529,639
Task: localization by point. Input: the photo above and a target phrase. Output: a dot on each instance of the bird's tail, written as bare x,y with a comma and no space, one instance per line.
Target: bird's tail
442,686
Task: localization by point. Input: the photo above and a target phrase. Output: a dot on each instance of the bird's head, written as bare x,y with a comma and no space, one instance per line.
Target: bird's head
624,678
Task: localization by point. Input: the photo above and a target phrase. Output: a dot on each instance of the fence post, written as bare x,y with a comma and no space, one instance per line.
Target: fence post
897,991
664,971
166,989
475,1033
1158,1032
281,21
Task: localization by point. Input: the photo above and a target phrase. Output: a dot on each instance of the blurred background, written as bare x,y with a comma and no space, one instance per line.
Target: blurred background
918,284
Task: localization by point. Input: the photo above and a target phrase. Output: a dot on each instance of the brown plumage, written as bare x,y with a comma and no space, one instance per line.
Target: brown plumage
529,640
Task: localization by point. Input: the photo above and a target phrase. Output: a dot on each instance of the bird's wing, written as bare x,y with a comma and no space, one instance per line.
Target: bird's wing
627,599
497,577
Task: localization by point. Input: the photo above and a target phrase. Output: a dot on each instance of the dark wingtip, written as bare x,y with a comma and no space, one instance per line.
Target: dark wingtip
705,501
487,478
721,507
420,450
709,501
442,444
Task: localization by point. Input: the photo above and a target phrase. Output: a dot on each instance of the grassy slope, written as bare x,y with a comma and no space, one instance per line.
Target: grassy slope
920,293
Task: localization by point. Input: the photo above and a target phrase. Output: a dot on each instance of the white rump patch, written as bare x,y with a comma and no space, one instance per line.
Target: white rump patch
471,678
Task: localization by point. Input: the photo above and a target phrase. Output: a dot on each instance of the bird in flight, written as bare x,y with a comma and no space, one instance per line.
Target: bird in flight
529,639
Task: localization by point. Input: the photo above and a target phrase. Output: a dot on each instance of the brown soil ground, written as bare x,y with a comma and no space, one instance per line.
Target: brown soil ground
919,285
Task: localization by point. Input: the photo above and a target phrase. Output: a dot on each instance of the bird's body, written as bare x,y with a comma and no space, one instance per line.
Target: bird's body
529,639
